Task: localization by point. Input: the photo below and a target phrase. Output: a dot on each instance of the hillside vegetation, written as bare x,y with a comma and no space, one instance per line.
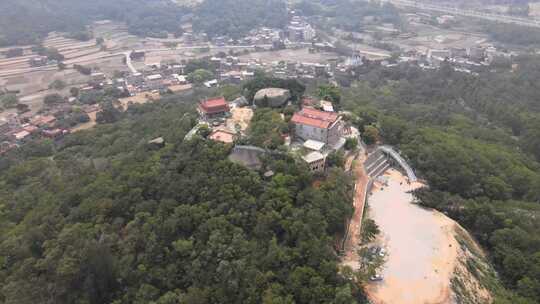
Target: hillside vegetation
475,139
143,17
104,218
237,17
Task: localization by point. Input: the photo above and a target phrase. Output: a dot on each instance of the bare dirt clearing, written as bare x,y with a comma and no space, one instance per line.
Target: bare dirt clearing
241,117
140,98
422,251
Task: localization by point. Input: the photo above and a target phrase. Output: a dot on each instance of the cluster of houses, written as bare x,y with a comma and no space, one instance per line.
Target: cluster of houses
467,60
18,128
229,70
297,31
317,129
463,59
159,77
14,132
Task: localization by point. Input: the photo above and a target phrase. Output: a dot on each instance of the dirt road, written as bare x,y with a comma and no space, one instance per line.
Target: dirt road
351,257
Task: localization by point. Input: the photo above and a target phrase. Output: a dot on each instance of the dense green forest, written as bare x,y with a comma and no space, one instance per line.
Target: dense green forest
143,17
237,17
102,217
513,34
475,139
350,15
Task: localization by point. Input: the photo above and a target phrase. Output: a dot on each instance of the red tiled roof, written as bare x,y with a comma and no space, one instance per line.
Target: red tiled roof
326,116
314,118
213,106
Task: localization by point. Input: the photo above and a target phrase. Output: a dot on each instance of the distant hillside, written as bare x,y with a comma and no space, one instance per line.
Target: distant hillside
27,21
237,17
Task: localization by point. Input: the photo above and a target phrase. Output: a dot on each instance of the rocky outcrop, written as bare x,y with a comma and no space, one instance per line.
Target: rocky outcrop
272,97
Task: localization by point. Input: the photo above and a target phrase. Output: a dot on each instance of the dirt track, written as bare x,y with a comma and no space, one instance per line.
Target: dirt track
351,257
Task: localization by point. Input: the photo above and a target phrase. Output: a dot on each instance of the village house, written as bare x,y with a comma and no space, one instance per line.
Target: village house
317,125
213,108
316,161
20,136
43,121
98,76
54,134
314,145
39,61
154,82
30,128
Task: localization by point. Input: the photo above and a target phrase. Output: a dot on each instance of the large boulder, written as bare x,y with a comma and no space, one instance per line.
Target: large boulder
272,97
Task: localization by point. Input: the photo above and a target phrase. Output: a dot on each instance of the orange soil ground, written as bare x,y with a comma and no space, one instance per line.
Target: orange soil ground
351,257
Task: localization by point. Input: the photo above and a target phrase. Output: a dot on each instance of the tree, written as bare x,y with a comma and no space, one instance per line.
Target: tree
370,135
266,128
22,108
370,230
82,35
529,288
100,40
52,54
230,92
171,45
57,85
235,18
82,69
392,129
38,148
329,92
9,100
159,246
74,91
335,159
200,76
108,114
531,139
52,99
204,131
179,32
351,143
